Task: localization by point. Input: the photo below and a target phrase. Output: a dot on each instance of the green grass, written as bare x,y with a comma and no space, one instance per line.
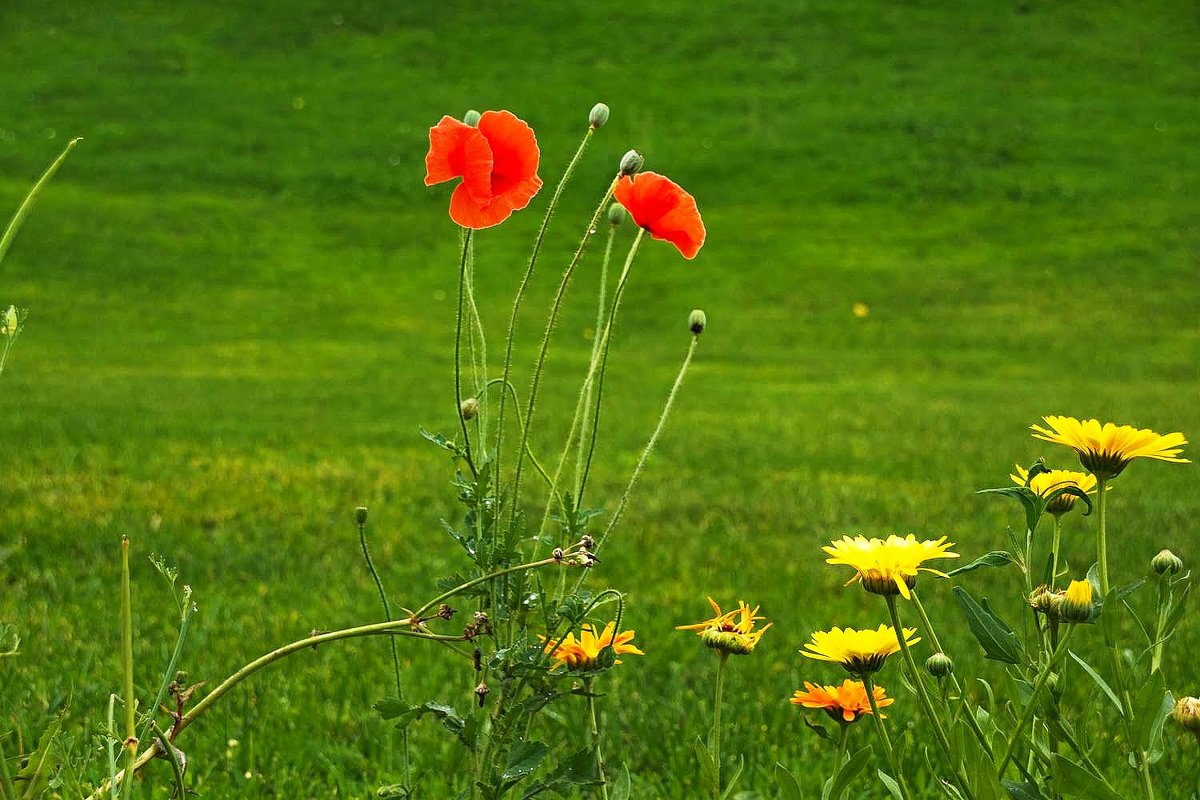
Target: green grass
242,300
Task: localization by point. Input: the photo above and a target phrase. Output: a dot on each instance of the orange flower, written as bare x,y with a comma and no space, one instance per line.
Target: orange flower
844,703
582,653
662,207
497,161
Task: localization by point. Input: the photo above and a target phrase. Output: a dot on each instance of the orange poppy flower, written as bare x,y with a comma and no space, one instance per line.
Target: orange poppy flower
662,207
497,161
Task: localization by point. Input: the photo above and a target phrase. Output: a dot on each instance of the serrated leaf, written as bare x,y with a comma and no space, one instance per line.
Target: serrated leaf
440,441
786,783
523,758
998,641
1095,676
995,558
1072,779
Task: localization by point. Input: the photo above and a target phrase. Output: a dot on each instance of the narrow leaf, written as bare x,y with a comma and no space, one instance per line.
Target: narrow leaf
1095,676
853,767
890,783
998,641
996,558
1072,779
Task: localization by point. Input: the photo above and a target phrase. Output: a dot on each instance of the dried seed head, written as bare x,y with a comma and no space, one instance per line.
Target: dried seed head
445,611
469,408
360,515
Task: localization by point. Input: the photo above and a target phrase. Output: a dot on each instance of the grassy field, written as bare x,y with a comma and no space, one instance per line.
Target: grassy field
242,310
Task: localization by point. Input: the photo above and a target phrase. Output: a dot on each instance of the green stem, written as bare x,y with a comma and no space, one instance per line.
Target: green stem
521,424
1101,534
1031,705
584,406
595,735
1164,607
645,456
843,736
715,747
458,329
173,757
26,206
869,687
531,406
923,695
387,615
1054,550
131,741
516,308
478,359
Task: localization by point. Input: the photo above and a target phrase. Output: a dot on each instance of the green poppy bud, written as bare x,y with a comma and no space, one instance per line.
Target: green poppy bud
631,162
599,116
697,321
616,214
471,118
360,515
469,408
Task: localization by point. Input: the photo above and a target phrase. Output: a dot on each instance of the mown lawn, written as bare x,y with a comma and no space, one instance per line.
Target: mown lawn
242,308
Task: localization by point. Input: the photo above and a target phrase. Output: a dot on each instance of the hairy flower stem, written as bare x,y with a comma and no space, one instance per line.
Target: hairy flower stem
594,731
939,730
458,330
478,355
650,444
885,740
1164,606
1101,534
587,393
516,308
535,384
715,741
387,614
1031,706
131,740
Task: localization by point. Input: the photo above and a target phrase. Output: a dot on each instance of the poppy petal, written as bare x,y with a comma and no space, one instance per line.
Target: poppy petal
663,208
515,157
458,150
470,213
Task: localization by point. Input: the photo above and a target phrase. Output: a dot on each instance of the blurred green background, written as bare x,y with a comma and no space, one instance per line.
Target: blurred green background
242,309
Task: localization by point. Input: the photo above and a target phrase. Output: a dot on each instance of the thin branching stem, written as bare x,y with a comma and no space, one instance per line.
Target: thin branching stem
458,330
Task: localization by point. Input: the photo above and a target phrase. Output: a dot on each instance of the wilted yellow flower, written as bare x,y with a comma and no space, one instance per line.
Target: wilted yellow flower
1187,714
1045,483
582,653
845,703
729,631
859,652
1107,449
887,566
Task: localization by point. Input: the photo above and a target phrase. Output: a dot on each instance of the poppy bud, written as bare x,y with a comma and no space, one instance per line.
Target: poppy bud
599,116
360,515
471,118
631,162
1167,562
939,665
616,214
697,321
469,408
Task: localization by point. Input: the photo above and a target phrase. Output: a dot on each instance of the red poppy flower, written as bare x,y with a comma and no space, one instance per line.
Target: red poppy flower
497,161
662,207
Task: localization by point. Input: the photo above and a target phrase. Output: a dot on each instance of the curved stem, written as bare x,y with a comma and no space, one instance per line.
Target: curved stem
645,456
10,231
584,405
531,406
458,329
521,424
1031,706
923,695
516,308
869,686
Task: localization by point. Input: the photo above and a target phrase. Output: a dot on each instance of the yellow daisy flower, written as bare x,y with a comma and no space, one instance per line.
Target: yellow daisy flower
845,703
859,652
729,631
1044,483
887,566
582,653
1107,449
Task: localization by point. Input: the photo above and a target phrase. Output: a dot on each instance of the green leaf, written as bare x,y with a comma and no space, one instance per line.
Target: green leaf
577,769
1176,611
818,729
391,708
1075,492
998,641
1030,502
1072,779
890,783
1022,791
622,787
523,759
708,767
1095,676
733,779
441,441
996,558
1151,708
850,770
786,783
